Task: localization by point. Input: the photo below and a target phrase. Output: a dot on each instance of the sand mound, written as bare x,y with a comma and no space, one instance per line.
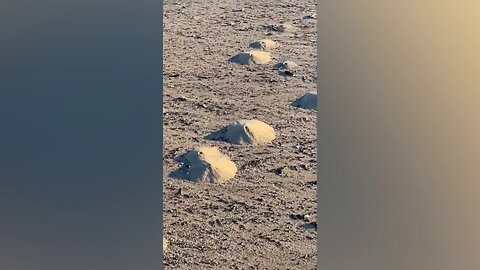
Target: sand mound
264,44
255,57
208,164
286,65
253,132
307,101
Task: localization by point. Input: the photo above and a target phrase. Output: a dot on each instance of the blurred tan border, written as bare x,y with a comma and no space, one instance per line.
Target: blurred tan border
399,135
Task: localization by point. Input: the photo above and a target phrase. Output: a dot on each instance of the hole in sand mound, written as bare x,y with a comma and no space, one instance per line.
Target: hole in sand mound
307,101
205,164
253,132
264,44
286,65
255,57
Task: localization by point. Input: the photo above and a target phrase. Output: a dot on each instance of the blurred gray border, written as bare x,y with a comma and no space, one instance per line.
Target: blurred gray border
81,134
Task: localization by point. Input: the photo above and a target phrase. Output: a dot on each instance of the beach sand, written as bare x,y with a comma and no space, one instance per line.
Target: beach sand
264,218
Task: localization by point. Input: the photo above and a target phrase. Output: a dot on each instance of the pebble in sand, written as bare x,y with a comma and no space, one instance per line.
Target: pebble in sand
208,164
253,132
255,57
307,101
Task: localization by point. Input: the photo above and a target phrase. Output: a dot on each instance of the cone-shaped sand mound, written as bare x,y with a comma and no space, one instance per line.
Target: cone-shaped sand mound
255,57
207,164
253,132
264,44
307,101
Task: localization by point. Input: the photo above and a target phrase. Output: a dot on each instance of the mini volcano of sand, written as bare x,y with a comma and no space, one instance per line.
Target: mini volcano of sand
253,132
207,164
307,101
264,44
255,57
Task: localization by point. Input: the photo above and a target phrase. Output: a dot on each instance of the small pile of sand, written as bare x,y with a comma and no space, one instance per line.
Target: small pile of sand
208,164
264,44
307,101
253,132
286,65
255,57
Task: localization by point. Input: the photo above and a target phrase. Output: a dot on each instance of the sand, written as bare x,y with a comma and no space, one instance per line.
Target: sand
251,57
165,244
307,101
206,164
253,131
264,44
286,65
264,217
